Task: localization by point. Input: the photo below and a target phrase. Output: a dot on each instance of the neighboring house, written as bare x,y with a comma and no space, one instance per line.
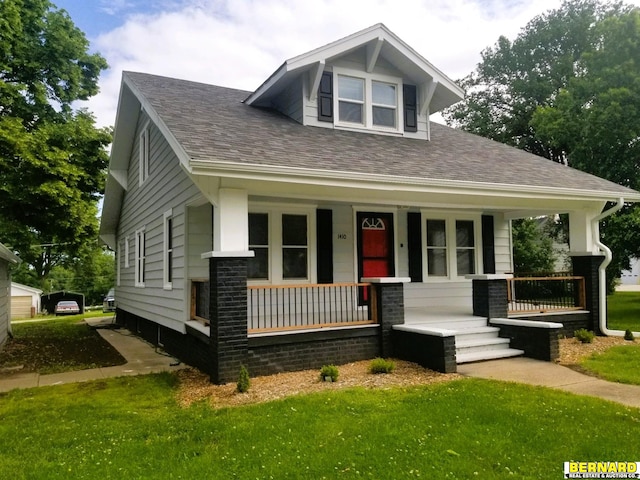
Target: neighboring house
323,218
25,301
7,259
631,276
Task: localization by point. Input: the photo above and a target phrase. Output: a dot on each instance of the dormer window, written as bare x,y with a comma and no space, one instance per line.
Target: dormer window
367,101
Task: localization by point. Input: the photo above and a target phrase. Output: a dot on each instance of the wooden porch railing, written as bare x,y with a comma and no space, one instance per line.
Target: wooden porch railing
291,307
545,294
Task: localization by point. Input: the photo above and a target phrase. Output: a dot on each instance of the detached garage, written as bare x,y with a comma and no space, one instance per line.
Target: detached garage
25,301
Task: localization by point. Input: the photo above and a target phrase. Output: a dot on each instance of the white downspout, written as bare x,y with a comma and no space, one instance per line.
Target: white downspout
602,274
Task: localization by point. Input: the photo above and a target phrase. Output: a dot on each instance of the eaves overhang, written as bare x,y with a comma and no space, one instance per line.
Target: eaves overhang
347,179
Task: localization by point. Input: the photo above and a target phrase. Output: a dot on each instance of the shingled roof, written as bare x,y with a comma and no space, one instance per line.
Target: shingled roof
213,126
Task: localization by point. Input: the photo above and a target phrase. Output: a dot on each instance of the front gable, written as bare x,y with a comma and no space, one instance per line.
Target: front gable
370,81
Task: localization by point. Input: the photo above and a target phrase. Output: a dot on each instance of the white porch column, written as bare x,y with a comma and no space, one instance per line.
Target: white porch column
583,231
231,221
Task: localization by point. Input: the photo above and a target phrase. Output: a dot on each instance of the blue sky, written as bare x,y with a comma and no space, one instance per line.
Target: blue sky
239,43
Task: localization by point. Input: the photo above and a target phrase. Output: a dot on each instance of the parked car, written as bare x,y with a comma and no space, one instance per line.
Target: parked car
67,307
109,302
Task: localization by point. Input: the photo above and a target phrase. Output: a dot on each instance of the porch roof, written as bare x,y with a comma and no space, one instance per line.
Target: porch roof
216,130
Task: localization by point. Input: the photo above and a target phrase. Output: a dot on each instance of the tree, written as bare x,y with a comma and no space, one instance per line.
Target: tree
567,88
532,248
52,157
596,121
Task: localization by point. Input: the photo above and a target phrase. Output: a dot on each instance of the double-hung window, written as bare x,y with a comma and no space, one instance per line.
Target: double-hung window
168,250
144,152
140,257
280,241
451,246
367,100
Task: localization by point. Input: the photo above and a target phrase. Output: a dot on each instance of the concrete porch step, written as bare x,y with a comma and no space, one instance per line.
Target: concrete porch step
479,343
488,355
459,324
476,333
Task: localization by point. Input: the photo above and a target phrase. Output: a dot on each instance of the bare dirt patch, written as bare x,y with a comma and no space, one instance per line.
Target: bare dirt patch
195,386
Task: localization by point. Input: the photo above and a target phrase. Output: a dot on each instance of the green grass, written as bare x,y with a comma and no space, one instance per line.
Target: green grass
623,310
58,345
617,364
132,428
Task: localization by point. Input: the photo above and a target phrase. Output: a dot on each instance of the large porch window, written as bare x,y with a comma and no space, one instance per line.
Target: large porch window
451,246
281,241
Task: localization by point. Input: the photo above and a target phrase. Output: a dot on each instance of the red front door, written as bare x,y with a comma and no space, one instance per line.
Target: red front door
375,245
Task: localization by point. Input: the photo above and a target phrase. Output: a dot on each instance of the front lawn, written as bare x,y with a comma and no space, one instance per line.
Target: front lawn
617,364
132,427
58,345
623,310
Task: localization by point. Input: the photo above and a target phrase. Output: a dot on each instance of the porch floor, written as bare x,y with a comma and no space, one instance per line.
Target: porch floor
475,340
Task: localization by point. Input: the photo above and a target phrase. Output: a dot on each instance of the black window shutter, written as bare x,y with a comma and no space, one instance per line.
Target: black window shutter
324,245
488,245
410,108
325,98
414,245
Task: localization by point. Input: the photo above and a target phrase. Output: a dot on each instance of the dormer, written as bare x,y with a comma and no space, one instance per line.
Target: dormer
370,82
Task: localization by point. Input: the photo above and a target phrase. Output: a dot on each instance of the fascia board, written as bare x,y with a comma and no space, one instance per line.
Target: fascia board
374,181
8,255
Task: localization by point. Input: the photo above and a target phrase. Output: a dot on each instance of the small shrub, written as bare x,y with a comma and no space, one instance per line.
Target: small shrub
381,365
244,382
584,335
329,372
628,335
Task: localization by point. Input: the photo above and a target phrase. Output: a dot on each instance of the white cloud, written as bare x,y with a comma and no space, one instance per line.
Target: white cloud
239,43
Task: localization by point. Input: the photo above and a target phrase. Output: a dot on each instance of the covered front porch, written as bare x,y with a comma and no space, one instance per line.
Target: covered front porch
277,328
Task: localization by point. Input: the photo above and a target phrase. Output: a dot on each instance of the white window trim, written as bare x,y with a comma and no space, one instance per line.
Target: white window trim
274,213
368,101
126,252
168,232
450,229
144,141
118,263
140,257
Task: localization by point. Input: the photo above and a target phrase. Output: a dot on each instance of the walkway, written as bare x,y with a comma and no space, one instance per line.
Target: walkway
144,358
548,374
141,358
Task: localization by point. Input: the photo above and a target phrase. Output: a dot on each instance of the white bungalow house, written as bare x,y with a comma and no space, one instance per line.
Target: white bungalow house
323,218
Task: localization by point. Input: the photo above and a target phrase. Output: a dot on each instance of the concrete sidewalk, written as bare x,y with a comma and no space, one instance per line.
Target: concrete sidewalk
141,358
548,374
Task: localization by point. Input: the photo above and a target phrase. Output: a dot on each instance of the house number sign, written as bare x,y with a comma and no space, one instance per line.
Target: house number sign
342,236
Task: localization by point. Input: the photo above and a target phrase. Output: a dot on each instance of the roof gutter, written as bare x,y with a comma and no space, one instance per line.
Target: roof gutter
602,275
